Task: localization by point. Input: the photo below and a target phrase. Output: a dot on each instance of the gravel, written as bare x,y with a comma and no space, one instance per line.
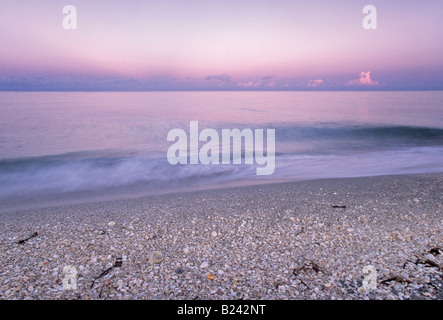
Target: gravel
321,239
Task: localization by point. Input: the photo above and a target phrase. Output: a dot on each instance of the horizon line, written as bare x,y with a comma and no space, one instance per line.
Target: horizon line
230,90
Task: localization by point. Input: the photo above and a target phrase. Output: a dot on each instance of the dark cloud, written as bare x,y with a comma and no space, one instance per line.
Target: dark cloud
221,77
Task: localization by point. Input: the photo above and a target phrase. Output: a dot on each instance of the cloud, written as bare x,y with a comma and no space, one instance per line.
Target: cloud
364,80
289,84
263,82
220,77
250,84
315,83
220,80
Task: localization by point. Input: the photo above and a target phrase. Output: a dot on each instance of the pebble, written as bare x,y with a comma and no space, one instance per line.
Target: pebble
283,234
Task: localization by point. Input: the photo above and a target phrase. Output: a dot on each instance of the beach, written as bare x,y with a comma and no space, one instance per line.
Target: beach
172,151
317,239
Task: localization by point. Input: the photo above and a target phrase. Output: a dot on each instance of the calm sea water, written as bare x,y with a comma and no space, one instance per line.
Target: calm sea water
76,145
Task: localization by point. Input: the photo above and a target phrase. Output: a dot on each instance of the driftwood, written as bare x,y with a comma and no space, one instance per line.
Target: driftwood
399,279
428,262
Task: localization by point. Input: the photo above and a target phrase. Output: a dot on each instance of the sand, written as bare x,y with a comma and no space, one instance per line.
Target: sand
320,239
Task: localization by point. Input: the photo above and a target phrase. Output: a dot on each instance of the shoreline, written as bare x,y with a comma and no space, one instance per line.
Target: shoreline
40,202
291,240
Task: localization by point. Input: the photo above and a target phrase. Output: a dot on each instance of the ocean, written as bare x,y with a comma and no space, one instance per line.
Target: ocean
66,147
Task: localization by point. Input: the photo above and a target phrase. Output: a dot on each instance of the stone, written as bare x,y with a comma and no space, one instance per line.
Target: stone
179,270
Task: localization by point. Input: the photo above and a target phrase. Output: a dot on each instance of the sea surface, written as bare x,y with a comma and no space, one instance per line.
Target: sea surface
77,146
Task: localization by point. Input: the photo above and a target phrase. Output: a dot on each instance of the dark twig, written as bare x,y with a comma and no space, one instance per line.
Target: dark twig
101,275
117,264
35,234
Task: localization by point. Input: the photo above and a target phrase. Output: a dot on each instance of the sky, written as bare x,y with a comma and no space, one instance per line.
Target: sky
220,45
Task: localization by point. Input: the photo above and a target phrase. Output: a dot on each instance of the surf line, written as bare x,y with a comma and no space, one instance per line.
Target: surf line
209,152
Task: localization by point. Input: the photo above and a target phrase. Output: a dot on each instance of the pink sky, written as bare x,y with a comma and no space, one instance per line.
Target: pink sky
216,44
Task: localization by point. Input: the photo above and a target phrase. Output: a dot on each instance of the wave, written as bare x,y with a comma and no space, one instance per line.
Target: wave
348,138
92,171
406,133
417,149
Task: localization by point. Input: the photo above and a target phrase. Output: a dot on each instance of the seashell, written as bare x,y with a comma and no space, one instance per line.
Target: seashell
156,257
